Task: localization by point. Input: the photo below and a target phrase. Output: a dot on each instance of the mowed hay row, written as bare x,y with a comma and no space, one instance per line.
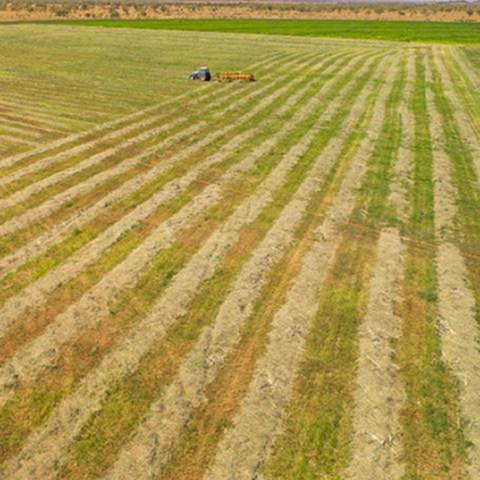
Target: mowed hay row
275,280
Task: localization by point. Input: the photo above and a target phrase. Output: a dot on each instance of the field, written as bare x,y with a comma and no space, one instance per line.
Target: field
438,32
278,279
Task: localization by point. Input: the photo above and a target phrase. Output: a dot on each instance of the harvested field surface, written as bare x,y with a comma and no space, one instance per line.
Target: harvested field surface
276,279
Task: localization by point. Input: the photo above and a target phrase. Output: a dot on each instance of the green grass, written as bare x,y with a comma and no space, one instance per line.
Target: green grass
441,32
433,434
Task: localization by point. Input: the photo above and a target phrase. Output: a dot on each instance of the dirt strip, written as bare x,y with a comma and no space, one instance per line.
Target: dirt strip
153,443
98,158
456,303
468,133
138,342
36,292
126,357
401,180
121,134
51,205
244,449
112,124
379,396
93,305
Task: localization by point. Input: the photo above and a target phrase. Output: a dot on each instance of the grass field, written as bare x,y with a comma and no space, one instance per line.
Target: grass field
405,31
278,279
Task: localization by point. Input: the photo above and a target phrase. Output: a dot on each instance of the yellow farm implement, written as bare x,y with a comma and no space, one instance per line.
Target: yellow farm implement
232,76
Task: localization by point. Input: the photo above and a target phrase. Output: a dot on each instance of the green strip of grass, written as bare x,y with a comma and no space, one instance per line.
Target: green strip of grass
465,89
438,32
433,437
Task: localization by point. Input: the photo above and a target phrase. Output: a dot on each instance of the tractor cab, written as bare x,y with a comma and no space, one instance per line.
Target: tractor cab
202,74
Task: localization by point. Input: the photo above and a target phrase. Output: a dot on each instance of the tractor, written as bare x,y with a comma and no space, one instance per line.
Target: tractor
202,74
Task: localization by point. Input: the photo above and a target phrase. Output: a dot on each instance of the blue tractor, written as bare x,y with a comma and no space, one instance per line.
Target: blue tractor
202,74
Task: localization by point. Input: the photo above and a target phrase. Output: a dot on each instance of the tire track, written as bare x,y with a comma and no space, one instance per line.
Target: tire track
456,302
88,309
244,448
18,140
71,121
57,121
171,305
29,122
156,437
379,396
21,131
51,205
31,126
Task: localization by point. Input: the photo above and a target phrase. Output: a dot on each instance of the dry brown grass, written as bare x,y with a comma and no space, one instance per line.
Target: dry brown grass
245,10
